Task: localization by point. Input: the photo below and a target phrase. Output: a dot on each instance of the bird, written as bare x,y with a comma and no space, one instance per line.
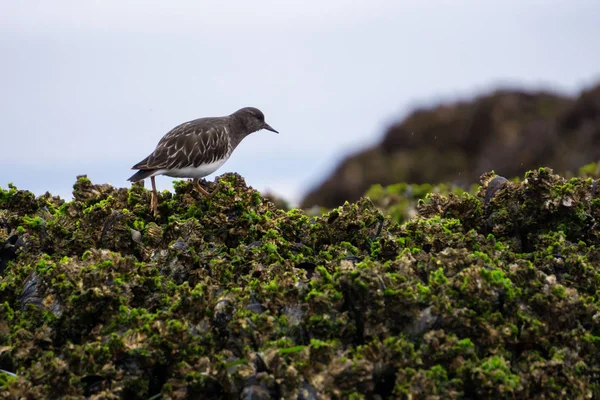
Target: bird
197,148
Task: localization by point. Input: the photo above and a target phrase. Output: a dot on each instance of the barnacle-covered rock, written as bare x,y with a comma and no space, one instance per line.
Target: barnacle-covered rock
406,293
155,233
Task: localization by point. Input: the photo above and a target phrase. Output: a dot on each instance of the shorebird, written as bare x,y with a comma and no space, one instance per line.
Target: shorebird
198,148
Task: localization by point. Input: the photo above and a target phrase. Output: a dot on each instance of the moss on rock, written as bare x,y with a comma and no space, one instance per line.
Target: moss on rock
484,295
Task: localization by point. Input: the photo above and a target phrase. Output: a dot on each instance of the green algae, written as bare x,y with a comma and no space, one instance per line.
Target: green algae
470,295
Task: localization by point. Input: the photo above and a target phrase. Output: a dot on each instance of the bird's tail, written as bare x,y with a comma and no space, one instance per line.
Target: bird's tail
141,174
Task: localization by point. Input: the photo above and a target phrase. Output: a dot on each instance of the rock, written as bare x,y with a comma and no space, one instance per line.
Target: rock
8,251
484,293
508,131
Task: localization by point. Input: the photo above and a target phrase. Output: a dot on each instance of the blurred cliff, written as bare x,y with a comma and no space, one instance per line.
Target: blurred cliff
508,131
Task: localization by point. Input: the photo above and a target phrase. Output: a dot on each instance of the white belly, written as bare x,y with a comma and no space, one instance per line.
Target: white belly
192,172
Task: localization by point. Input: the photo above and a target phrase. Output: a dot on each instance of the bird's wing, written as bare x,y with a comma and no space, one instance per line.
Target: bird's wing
188,145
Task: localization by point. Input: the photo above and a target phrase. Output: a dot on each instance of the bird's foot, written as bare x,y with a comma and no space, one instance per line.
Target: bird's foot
200,189
215,190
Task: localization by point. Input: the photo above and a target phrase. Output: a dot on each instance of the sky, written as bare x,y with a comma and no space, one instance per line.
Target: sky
89,87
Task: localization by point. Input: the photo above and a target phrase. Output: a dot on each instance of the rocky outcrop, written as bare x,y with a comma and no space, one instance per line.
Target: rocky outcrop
509,132
485,295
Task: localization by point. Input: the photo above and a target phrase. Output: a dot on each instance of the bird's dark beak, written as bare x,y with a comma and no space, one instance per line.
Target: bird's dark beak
268,127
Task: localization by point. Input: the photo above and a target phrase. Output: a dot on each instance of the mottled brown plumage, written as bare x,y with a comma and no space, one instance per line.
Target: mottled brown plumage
198,148
191,147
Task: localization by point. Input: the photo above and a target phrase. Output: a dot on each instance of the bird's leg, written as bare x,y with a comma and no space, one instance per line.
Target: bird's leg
215,190
154,201
200,188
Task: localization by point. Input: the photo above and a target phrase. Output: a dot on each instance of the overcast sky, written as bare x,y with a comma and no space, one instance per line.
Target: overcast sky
89,87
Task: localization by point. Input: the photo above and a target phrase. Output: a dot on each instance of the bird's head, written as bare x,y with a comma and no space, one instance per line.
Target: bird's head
253,119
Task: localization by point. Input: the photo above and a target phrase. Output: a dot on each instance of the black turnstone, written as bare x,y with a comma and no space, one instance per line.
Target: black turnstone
198,148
